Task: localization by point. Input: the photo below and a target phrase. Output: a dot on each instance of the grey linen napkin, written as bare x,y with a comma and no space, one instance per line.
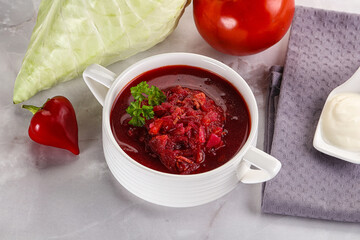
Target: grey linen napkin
323,52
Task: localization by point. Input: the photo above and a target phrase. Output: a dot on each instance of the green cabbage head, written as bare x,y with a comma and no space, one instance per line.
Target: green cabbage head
69,35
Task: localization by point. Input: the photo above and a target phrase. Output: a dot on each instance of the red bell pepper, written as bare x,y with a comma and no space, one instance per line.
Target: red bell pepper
54,124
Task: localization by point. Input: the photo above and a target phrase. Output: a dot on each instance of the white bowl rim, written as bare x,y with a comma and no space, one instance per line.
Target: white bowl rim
254,119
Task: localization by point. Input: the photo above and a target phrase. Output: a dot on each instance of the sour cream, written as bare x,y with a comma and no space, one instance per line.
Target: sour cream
340,121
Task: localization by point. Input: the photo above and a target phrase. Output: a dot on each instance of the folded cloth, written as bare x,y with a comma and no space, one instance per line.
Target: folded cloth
323,52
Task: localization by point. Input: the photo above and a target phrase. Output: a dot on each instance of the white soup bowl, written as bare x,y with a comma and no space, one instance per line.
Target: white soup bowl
171,189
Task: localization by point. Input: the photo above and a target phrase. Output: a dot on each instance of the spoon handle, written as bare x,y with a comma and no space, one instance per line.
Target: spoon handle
353,83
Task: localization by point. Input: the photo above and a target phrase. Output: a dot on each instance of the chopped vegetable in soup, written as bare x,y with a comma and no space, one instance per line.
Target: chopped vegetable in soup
201,125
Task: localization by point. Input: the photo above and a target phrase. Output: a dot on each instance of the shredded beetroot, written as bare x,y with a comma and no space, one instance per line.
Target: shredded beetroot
185,128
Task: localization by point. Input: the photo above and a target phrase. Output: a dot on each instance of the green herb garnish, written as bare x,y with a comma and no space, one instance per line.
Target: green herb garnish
145,98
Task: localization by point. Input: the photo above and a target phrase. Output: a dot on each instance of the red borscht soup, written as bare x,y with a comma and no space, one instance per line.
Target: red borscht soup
202,124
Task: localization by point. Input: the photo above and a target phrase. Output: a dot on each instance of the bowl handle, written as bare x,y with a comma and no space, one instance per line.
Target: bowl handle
267,165
99,80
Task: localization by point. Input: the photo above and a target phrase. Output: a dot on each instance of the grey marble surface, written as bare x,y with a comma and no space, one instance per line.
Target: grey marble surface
47,193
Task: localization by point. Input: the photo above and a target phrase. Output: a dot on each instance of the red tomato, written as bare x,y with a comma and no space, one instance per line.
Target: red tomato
243,27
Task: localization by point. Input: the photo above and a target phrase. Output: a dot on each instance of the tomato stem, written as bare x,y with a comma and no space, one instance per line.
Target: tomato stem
31,108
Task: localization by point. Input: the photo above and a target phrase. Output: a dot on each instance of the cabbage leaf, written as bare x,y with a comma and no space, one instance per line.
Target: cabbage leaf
69,35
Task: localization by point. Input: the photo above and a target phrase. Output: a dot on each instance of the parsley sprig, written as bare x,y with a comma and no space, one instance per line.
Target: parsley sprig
138,110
